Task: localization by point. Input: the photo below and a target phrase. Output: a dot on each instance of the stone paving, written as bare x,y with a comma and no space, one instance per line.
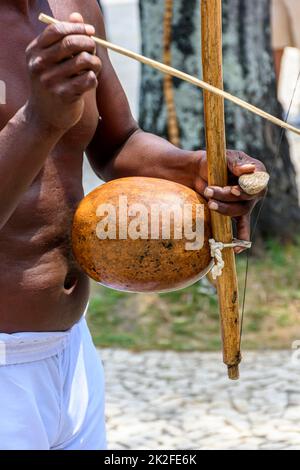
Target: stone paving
176,401
166,400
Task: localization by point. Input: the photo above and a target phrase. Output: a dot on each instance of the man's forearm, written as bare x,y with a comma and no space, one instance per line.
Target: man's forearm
148,155
24,147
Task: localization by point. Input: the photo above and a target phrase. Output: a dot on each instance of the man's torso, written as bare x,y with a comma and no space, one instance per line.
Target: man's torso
41,286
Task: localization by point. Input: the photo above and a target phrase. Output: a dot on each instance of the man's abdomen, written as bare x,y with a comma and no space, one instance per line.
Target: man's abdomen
41,285
43,297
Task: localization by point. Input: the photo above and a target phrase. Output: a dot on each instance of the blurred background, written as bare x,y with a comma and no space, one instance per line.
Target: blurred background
166,385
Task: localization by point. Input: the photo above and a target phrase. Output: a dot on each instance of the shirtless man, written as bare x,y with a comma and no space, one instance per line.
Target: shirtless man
63,99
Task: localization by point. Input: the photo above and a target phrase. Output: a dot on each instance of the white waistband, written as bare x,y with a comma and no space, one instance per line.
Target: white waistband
20,348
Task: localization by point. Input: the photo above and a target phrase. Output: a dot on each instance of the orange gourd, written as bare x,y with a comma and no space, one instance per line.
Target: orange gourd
118,237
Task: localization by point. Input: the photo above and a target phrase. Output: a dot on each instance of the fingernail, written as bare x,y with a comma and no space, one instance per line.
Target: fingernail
238,251
235,192
208,192
249,166
213,206
90,29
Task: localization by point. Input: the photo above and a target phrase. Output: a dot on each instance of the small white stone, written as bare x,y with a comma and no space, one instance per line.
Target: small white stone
241,405
117,446
294,399
247,446
292,413
254,183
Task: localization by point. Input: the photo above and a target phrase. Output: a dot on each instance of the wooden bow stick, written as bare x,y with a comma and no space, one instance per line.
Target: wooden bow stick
211,19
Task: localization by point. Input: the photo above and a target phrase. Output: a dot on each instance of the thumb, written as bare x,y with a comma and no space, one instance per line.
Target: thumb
239,163
76,18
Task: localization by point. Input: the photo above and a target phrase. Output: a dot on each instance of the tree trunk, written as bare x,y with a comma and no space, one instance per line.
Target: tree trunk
248,73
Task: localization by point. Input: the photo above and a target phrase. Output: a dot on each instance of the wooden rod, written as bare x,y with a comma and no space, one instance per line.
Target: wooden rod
169,92
227,285
185,77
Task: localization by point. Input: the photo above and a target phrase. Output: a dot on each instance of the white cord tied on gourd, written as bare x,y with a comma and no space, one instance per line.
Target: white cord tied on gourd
216,249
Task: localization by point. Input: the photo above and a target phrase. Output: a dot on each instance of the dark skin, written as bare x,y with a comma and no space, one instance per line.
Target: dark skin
57,88
278,55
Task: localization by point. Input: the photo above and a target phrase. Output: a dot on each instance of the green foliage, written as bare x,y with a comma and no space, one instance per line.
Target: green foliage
188,319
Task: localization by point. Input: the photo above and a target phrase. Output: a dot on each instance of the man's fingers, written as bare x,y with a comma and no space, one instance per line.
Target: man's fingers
232,209
56,32
81,63
243,231
68,47
239,170
71,89
227,194
76,18
240,163
200,186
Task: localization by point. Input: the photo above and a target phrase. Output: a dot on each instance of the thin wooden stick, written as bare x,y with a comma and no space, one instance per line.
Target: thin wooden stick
185,77
211,17
169,93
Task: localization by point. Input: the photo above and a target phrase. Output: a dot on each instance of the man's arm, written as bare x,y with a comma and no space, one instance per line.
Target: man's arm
58,84
119,148
24,146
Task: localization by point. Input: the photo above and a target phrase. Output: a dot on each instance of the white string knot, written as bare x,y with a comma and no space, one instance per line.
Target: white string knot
216,249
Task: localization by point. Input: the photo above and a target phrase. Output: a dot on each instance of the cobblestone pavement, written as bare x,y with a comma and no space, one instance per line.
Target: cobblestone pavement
168,400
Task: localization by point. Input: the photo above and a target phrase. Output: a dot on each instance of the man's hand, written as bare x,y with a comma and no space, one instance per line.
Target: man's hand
63,66
231,200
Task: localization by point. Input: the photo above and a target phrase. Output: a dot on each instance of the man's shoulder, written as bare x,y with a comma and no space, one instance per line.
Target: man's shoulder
89,9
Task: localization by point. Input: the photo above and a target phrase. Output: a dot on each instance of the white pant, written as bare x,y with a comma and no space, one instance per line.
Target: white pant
51,391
